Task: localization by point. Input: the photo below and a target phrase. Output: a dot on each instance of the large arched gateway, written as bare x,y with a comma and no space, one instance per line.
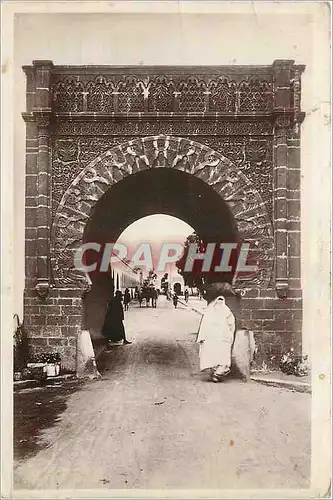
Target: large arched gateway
217,147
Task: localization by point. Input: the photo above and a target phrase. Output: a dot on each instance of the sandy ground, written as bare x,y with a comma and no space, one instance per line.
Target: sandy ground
154,422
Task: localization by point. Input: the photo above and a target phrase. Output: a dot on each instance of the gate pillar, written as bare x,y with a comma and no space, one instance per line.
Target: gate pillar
41,111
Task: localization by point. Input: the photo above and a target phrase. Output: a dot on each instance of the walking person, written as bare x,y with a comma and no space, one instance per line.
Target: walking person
186,295
154,298
175,300
127,299
216,335
113,328
140,297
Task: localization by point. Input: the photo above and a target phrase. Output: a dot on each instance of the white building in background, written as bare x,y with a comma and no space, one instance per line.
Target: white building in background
125,276
173,278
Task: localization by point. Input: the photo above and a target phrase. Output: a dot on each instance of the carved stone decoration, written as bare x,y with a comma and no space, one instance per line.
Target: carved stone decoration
68,95
192,98
184,156
282,290
296,85
222,95
164,92
161,95
253,157
86,289
130,95
42,288
161,151
143,127
43,120
255,95
100,95
67,150
282,123
66,164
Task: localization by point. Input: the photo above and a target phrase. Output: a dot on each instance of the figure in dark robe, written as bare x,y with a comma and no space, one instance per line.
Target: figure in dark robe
113,328
175,300
154,297
127,299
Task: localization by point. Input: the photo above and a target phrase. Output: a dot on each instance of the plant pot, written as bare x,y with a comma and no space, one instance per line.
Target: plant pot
37,370
52,369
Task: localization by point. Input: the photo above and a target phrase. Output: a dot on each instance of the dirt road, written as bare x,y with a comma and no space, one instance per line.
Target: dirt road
153,421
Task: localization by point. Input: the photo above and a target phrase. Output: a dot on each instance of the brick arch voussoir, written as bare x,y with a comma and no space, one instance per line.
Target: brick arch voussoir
130,157
252,220
239,193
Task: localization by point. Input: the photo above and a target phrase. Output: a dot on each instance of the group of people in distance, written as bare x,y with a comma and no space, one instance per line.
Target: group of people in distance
216,331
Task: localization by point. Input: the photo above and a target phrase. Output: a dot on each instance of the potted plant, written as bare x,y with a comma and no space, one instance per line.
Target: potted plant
47,363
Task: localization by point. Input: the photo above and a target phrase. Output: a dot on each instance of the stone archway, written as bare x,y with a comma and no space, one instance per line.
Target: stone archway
90,127
162,151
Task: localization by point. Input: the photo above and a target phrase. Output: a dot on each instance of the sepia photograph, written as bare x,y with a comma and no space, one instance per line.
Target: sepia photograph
166,225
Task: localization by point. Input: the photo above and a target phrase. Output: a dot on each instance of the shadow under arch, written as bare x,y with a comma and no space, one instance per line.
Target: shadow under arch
154,153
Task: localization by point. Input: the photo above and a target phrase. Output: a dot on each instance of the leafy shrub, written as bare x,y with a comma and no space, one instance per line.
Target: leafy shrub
294,364
46,357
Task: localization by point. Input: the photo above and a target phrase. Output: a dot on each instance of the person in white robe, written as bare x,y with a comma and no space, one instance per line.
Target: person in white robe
216,336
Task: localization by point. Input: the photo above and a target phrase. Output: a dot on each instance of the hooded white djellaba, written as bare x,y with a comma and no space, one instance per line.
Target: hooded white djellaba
216,335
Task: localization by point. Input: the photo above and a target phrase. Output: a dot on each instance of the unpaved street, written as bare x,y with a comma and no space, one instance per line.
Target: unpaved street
153,421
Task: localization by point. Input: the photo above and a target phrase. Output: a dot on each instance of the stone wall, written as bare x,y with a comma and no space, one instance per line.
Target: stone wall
54,322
